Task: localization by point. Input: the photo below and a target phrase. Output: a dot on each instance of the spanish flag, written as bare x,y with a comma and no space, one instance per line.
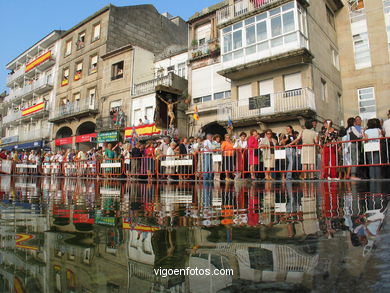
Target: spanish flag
33,109
38,61
196,114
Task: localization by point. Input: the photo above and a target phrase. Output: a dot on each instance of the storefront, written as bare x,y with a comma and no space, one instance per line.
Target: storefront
85,142
37,145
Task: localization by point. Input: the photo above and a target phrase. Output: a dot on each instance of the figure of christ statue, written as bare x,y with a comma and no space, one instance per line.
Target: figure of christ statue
171,114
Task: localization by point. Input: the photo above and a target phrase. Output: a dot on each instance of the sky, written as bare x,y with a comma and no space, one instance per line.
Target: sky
25,22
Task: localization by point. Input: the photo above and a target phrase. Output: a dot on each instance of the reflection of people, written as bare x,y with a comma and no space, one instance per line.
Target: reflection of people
171,115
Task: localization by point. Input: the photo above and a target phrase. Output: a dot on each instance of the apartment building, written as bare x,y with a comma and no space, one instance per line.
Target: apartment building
31,81
80,99
265,63
363,30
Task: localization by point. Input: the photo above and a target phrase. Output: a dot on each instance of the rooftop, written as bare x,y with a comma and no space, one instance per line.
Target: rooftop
208,10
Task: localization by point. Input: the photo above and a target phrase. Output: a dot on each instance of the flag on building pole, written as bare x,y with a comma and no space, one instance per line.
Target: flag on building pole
196,113
230,123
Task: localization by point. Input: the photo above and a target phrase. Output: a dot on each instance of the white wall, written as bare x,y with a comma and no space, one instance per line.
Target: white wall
172,61
141,104
206,81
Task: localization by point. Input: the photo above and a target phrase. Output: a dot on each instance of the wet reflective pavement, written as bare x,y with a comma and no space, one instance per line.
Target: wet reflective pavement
75,235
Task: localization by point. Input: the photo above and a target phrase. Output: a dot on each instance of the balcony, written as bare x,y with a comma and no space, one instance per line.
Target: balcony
18,73
173,81
269,107
39,86
108,123
12,117
36,134
210,48
73,110
244,8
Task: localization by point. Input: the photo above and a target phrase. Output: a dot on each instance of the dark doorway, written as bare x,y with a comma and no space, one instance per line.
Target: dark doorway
86,128
214,128
64,132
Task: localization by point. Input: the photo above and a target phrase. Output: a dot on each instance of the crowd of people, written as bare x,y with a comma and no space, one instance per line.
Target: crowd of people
307,154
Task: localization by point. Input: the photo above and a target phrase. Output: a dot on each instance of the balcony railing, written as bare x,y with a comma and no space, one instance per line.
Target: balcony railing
110,123
170,80
75,108
12,117
240,8
207,48
16,74
39,84
276,103
36,134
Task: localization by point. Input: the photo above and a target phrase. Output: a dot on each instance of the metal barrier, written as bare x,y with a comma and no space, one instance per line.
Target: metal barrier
87,168
56,168
27,168
347,156
176,165
142,166
69,169
6,166
110,167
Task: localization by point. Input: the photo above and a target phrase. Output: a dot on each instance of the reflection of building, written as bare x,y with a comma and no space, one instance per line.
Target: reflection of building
80,86
31,81
263,63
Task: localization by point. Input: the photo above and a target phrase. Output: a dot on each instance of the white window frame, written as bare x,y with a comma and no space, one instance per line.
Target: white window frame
359,94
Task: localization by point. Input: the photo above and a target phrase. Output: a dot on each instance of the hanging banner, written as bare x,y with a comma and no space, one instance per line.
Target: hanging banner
85,137
33,109
64,141
107,136
38,61
21,239
142,130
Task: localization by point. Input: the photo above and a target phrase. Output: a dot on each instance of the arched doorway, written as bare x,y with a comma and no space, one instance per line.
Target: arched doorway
85,128
64,132
64,138
214,128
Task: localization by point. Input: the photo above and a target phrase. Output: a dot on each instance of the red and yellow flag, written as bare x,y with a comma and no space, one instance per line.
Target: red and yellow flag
196,113
33,109
38,61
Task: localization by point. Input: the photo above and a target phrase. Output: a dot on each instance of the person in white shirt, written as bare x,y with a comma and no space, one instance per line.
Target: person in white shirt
171,157
386,125
373,156
207,164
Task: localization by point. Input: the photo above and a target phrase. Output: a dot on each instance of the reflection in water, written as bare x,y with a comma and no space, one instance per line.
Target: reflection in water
70,235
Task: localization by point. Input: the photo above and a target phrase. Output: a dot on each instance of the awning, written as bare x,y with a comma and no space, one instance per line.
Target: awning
64,141
30,145
85,137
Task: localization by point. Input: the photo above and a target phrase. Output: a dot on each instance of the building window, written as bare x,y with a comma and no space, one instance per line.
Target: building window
76,98
171,69
265,33
117,70
202,99
335,58
94,64
330,16
115,106
96,32
65,77
222,95
367,103
68,48
80,41
203,34
181,70
91,98
324,91
78,70
362,50
292,83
